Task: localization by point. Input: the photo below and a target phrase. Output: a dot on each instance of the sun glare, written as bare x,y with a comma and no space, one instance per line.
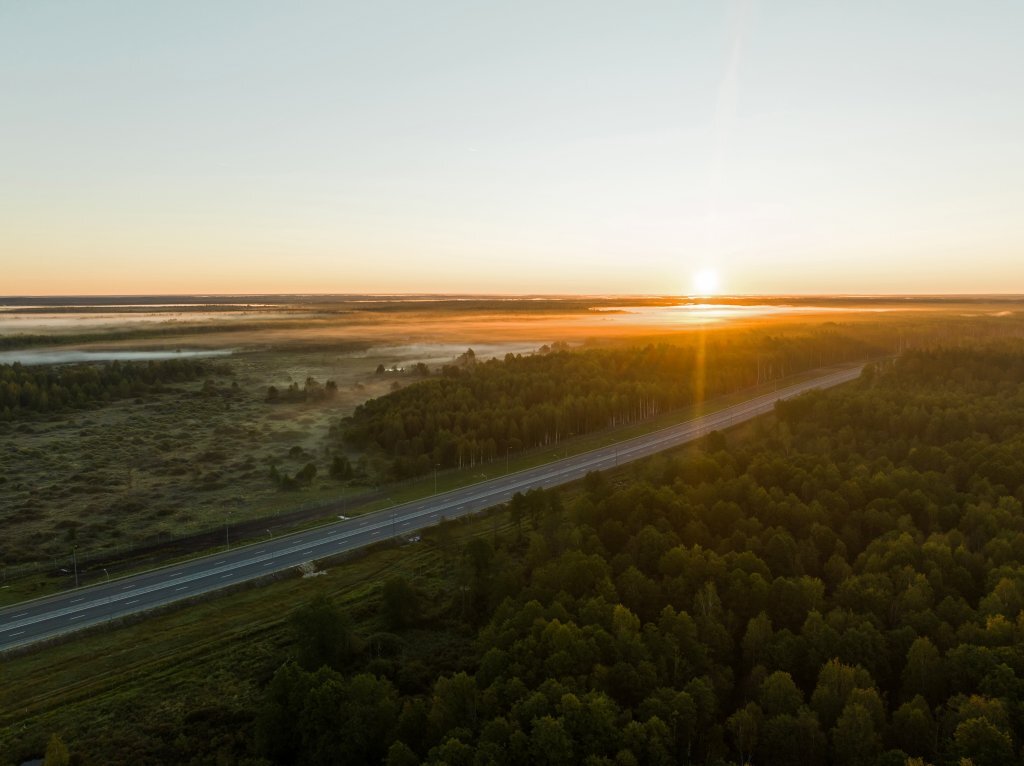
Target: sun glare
705,282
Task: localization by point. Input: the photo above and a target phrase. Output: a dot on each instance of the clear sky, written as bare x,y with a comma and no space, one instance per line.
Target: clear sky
547,147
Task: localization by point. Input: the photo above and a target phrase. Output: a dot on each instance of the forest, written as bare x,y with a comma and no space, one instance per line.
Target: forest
480,411
52,388
845,587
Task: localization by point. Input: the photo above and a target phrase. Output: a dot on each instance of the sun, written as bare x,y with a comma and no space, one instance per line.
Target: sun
705,282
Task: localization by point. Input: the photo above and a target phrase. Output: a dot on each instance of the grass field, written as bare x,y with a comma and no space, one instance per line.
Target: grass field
171,464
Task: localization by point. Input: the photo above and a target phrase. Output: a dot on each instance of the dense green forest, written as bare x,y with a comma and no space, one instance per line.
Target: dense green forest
847,587
51,388
477,412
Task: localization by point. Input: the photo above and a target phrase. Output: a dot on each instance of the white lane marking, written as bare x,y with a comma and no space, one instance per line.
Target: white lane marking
12,635
133,601
226,576
219,562
19,615
78,617
128,587
76,600
267,563
183,587
375,533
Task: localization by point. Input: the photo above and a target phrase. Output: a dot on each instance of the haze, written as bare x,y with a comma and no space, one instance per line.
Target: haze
576,147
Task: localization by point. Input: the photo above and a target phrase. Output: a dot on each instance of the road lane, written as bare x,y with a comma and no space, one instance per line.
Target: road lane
47,617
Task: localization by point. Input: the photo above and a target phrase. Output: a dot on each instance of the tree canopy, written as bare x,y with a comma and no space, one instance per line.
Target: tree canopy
847,587
51,388
480,411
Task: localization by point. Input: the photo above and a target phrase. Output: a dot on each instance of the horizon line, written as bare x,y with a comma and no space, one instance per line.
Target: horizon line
513,296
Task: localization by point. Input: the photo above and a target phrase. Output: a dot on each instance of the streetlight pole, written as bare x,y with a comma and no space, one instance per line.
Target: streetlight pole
393,529
435,478
74,558
227,533
507,450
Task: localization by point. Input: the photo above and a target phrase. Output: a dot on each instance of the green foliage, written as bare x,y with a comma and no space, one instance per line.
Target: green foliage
323,718
400,754
924,672
779,695
914,728
844,589
54,388
476,412
341,468
743,725
400,603
56,752
983,742
322,635
302,478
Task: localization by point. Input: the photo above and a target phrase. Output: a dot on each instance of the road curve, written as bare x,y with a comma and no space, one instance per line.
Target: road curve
72,610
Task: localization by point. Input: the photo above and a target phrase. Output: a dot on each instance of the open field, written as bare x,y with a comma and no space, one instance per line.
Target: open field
138,469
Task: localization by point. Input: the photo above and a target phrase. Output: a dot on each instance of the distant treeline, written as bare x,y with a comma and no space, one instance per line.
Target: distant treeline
25,340
847,589
477,412
51,388
311,391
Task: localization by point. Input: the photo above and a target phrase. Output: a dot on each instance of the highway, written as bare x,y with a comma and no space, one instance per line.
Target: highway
72,610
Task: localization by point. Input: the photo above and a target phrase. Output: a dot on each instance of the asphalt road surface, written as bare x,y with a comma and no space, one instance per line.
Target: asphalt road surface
72,610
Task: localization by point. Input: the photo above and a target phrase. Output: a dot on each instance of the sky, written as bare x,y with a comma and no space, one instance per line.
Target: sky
562,146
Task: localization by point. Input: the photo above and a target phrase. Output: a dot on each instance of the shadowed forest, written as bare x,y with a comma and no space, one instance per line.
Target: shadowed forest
844,589
841,584
478,412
